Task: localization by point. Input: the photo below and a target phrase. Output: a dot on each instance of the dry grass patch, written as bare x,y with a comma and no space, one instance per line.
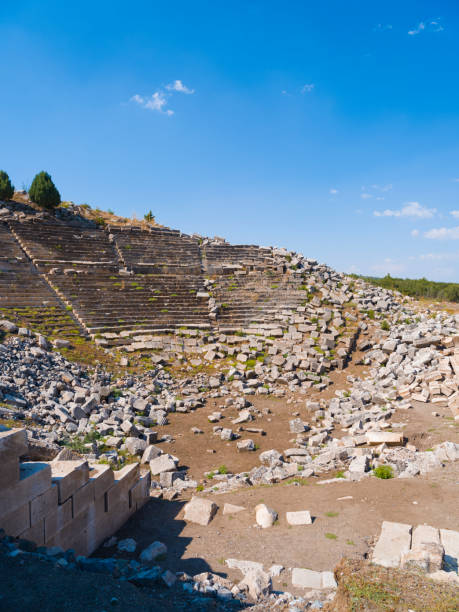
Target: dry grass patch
363,587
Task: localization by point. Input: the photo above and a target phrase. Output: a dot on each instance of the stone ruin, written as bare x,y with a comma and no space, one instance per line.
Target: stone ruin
66,504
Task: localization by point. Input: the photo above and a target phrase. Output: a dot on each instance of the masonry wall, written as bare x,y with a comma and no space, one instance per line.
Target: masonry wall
64,503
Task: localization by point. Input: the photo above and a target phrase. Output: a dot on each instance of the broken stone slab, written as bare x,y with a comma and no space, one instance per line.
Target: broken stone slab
450,542
301,517
384,437
163,463
152,552
265,516
309,579
245,446
257,582
200,510
393,542
232,509
243,565
150,453
128,545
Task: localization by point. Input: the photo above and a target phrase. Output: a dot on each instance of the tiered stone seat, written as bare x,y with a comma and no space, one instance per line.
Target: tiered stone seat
106,301
26,299
158,248
58,243
9,247
255,297
219,256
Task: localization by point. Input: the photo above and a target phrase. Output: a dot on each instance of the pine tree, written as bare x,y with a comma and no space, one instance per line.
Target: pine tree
43,191
6,188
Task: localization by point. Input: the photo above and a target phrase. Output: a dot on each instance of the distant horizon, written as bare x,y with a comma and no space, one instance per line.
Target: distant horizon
330,130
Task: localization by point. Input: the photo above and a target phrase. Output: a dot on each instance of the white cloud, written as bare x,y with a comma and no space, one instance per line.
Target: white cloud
159,100
455,180
439,257
334,191
307,88
411,209
382,27
443,233
366,196
455,213
180,87
415,233
156,102
426,26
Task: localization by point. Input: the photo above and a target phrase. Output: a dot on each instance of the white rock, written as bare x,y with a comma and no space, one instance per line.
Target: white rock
200,510
129,545
152,552
232,509
265,516
302,517
394,541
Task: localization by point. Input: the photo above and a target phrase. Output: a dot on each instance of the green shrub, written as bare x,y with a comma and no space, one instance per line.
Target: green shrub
43,191
385,325
6,188
384,472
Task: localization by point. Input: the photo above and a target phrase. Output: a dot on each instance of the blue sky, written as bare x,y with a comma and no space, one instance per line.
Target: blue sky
330,128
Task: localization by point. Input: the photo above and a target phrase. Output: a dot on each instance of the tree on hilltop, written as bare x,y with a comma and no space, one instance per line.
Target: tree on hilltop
6,188
43,191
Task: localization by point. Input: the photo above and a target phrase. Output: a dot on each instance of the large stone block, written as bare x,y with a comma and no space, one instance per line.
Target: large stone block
124,480
43,505
391,438
140,492
103,478
450,543
36,533
57,520
200,510
13,444
71,532
306,578
394,541
17,521
35,479
69,476
82,498
9,473
302,517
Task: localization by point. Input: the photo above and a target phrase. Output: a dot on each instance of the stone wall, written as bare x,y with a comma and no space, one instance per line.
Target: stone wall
70,504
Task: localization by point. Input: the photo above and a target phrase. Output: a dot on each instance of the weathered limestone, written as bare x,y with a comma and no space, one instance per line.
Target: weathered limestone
384,437
265,516
66,503
394,541
200,510
301,517
309,579
232,509
152,552
257,582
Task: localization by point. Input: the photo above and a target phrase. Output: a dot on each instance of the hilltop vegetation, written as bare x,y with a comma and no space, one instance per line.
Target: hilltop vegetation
417,288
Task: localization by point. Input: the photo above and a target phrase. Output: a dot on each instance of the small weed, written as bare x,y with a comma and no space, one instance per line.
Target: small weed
331,536
384,472
331,514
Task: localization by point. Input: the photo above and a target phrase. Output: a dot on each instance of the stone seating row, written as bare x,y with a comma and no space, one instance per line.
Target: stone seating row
104,300
56,242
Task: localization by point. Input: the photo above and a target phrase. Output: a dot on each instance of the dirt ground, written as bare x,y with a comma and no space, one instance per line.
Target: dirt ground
347,517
